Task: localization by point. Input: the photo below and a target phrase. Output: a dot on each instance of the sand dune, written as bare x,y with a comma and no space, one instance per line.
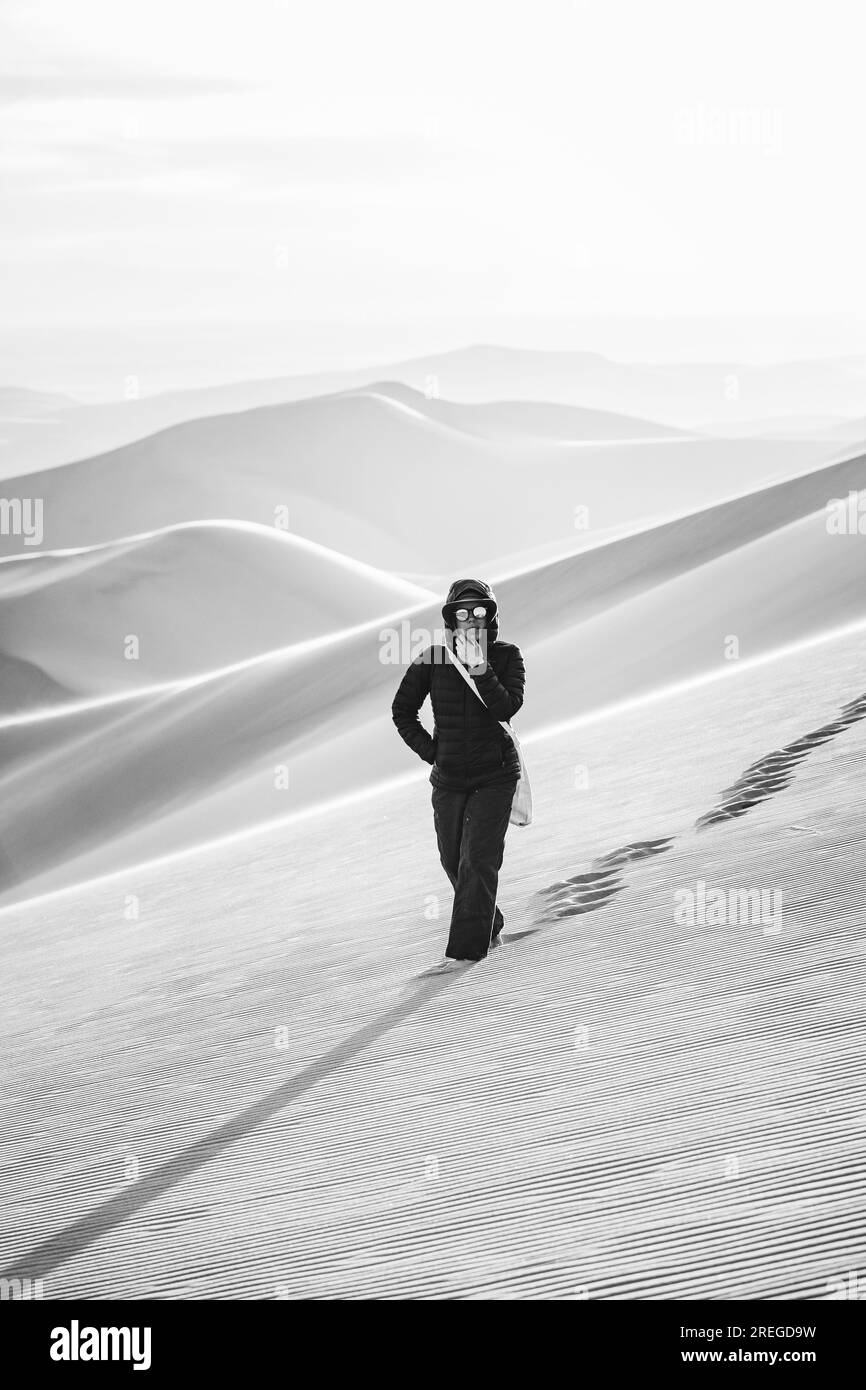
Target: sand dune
604,628
784,427
36,429
747,1043
69,431
507,420
20,403
24,685
389,487
601,626
194,597
685,395
851,431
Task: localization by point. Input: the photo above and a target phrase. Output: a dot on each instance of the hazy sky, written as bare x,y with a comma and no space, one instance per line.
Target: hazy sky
464,165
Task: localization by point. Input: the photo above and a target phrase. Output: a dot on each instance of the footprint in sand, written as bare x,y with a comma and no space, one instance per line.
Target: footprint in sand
587,892
775,770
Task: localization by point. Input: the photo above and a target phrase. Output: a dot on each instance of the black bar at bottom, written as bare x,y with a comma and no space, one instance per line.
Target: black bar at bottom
165,1339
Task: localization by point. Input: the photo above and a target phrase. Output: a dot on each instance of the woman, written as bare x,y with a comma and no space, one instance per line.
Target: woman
475,766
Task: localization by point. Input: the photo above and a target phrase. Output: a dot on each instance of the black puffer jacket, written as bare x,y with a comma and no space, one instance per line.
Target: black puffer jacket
467,748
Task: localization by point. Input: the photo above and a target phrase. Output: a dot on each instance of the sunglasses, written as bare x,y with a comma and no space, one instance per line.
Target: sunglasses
479,611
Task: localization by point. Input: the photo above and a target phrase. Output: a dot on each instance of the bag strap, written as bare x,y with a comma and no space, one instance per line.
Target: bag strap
470,682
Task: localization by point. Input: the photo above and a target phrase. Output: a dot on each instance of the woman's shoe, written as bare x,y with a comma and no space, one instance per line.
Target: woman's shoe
451,963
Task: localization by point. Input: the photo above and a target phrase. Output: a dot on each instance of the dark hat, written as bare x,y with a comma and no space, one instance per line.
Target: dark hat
461,595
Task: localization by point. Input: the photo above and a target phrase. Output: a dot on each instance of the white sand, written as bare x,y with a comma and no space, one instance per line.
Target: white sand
619,1106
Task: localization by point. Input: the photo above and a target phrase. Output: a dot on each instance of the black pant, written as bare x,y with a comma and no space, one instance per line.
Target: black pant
470,831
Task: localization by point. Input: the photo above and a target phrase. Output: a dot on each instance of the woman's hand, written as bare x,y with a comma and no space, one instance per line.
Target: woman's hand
469,651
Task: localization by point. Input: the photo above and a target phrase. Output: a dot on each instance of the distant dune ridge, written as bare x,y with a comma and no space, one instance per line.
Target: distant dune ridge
259,650
363,476
20,402
512,421
685,396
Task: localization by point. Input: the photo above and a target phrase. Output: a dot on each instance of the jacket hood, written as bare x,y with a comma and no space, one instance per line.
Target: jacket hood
463,589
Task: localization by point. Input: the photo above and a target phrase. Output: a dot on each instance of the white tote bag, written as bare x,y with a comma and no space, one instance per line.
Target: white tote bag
521,806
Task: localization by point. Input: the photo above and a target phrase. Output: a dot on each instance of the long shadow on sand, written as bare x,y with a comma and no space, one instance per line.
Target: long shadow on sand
41,1259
